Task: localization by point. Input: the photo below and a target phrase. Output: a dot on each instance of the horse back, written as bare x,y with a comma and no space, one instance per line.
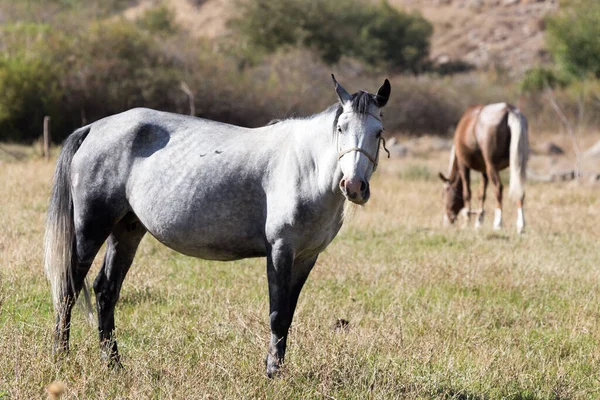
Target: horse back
482,137
467,148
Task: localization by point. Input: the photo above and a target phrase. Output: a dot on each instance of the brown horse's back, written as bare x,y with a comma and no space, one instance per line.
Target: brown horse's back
483,137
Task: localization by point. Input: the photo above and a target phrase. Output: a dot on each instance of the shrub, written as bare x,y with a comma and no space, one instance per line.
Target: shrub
540,78
29,86
387,37
28,92
393,40
573,37
159,20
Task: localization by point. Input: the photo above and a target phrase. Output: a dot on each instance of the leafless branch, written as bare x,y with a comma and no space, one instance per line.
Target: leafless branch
569,129
186,89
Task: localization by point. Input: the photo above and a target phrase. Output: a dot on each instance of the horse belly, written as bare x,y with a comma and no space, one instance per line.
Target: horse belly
223,248
211,223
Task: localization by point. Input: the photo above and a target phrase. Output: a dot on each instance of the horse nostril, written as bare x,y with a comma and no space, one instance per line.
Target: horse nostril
363,186
343,184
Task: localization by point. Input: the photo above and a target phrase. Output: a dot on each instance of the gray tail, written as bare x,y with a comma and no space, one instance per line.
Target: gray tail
59,238
519,153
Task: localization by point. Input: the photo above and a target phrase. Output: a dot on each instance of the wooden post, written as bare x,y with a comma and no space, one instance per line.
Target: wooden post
186,89
46,137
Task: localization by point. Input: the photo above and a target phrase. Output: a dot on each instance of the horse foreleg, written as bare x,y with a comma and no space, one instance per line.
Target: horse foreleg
480,216
121,247
286,279
466,188
280,260
299,275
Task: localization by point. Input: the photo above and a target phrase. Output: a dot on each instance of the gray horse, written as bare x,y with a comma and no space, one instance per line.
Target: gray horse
208,190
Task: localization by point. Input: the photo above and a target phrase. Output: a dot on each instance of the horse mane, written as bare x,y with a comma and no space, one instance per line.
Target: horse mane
361,103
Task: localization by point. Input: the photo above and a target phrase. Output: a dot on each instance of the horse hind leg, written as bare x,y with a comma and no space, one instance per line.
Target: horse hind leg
121,248
87,241
495,177
520,215
465,174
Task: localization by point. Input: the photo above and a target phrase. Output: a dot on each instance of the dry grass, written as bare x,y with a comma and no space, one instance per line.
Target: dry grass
433,313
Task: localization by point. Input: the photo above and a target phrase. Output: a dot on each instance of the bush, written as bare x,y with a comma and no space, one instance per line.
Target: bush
159,20
387,38
28,92
540,78
573,37
29,87
393,40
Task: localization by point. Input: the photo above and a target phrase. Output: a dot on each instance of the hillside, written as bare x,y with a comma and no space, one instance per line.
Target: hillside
485,33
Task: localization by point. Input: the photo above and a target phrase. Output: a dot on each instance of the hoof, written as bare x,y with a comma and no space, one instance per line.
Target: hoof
115,365
273,366
113,362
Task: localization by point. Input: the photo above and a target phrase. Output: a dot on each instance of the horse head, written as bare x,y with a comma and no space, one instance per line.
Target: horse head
359,129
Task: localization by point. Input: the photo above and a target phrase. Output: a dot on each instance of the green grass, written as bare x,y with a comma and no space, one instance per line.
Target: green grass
434,313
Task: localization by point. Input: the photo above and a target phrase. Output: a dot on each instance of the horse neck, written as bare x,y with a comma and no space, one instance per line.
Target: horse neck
456,183
318,137
454,176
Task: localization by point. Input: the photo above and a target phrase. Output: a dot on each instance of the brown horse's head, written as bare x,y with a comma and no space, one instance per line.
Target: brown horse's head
453,197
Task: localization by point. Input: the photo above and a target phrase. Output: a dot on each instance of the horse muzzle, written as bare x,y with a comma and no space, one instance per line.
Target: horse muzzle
355,190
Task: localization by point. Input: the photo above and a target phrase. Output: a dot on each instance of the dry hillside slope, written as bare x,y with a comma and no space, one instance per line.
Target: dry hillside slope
485,33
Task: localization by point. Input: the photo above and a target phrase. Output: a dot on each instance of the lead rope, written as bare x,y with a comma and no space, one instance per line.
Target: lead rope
382,139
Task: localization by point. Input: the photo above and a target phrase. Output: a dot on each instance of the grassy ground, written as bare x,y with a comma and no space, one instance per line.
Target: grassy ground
434,313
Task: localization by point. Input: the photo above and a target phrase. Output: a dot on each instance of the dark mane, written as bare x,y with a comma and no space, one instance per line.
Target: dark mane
362,101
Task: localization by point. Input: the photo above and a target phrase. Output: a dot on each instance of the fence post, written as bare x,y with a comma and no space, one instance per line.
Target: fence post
186,89
46,142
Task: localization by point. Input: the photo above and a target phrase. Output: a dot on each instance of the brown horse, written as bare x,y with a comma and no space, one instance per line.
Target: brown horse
487,139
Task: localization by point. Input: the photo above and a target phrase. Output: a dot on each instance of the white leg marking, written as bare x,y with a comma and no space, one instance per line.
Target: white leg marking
497,219
520,220
446,220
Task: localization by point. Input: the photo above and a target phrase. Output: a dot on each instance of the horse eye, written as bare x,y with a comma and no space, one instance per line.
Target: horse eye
339,129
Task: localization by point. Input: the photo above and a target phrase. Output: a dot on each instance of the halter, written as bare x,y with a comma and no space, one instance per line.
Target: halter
374,160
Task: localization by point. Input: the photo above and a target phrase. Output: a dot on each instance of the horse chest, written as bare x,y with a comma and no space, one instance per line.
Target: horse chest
310,227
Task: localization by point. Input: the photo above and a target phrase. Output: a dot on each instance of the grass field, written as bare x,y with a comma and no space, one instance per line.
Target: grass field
434,313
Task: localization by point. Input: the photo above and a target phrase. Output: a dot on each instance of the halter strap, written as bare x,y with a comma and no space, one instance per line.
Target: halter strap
374,160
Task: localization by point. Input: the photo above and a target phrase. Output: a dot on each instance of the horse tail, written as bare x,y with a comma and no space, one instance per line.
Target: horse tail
59,238
519,152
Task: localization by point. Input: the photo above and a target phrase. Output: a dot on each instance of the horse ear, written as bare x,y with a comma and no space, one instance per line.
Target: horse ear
443,178
383,94
342,94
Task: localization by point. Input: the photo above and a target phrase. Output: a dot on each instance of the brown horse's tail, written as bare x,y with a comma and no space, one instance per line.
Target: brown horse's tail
519,152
